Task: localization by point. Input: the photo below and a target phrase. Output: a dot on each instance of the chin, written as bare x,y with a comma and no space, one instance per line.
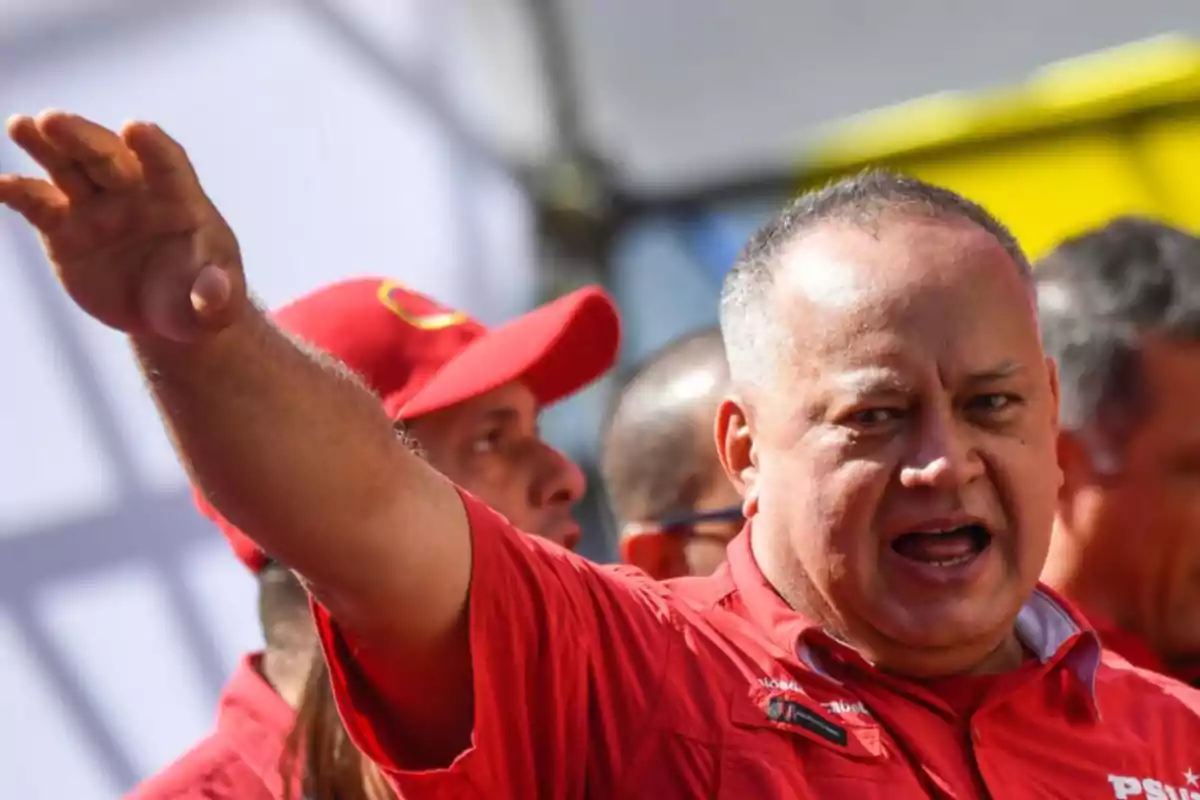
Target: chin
947,625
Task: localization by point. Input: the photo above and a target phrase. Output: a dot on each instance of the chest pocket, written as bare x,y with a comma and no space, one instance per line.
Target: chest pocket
784,746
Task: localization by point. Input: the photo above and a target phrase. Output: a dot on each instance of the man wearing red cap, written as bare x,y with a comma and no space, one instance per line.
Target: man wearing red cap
479,427
878,630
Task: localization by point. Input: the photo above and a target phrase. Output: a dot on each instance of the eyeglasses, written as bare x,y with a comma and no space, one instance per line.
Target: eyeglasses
685,524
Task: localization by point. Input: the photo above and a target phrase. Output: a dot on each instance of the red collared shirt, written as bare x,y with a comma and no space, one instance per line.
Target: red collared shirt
239,760
599,682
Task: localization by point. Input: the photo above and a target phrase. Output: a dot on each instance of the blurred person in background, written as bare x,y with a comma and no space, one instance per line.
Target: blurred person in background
319,761
479,429
1120,313
676,508
879,629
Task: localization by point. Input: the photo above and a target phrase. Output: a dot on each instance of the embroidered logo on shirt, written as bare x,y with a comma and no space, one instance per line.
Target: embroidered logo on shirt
1127,786
782,684
844,709
790,712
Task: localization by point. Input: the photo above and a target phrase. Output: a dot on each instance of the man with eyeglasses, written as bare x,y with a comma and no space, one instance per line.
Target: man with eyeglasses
676,507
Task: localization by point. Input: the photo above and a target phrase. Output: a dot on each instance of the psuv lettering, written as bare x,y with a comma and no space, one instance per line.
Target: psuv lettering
1149,789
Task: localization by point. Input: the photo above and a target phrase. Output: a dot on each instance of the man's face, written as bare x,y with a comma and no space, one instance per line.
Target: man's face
490,446
902,456
704,549
683,520
1145,519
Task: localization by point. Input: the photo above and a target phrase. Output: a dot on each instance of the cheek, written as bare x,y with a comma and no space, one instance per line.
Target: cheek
1176,523
1026,482
1179,507
830,510
1136,513
704,556
511,503
485,477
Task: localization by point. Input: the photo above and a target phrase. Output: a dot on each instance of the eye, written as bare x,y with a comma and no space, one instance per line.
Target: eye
874,417
488,441
993,403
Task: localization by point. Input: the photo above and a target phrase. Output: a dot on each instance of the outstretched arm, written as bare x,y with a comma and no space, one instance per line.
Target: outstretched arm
290,447
299,456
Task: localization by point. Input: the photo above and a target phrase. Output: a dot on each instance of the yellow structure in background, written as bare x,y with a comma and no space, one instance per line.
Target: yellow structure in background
1081,141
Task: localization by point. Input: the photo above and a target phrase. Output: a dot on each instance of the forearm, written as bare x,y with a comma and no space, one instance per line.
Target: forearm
297,453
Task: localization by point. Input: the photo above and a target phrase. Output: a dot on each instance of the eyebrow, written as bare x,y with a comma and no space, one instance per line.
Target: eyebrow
1002,371
500,415
881,380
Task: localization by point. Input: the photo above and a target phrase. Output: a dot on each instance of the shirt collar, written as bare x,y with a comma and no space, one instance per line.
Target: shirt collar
253,716
1051,629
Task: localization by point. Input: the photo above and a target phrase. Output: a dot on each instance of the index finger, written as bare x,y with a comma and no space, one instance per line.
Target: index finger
99,152
66,174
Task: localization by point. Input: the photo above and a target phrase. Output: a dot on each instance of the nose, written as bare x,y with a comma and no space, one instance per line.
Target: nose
561,482
943,456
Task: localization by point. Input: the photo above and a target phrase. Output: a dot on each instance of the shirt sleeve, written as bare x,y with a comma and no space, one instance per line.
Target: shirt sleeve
567,659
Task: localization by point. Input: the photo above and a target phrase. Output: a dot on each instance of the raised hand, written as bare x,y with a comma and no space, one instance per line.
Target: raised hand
132,236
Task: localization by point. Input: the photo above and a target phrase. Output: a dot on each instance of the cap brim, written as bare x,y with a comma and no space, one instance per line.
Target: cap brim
243,546
555,350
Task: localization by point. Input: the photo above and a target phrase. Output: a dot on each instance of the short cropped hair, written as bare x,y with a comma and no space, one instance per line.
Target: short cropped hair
861,201
654,445
1100,294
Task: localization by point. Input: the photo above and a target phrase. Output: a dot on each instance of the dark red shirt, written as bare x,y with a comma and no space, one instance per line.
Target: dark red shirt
239,760
598,682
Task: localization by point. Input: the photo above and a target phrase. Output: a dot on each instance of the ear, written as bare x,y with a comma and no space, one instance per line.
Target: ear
1055,391
1074,463
659,555
1055,404
735,447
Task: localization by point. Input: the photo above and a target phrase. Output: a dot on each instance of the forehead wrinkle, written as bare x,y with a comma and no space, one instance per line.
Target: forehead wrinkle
839,280
905,254
848,298
868,380
826,285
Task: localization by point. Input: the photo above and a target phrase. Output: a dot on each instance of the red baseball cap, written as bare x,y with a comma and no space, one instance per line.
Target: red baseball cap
420,356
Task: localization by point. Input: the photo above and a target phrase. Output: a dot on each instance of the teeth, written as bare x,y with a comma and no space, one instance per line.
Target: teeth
953,562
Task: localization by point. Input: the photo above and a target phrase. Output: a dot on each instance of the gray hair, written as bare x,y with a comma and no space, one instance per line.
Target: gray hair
1099,296
862,201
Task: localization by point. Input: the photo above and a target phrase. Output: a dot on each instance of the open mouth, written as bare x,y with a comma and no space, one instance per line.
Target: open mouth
947,548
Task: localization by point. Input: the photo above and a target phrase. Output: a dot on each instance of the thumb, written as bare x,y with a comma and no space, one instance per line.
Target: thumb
184,305
211,296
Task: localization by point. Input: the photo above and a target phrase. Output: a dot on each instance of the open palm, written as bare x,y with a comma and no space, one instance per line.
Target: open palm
123,218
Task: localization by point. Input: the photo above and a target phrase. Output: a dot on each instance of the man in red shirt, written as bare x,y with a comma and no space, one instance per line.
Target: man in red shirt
482,433
879,631
676,508
1120,313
